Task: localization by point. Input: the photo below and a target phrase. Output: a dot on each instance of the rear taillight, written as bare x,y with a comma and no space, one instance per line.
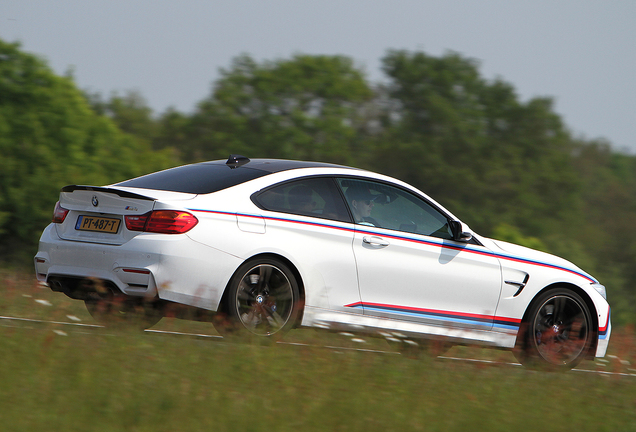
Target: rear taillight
170,222
59,214
162,221
137,222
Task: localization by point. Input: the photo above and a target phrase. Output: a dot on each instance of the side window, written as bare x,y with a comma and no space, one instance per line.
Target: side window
385,206
313,196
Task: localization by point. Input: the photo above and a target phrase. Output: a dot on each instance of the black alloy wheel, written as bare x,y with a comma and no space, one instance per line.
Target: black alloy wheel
558,332
263,299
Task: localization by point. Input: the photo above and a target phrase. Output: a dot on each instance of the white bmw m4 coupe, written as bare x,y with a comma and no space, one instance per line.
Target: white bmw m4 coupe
274,244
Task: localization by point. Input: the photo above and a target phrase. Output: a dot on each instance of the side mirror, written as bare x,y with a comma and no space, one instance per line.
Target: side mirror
459,234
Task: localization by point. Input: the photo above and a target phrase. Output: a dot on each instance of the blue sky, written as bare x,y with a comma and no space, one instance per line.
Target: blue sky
580,53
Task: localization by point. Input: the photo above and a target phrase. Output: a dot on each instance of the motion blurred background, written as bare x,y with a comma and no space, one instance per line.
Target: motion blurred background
519,117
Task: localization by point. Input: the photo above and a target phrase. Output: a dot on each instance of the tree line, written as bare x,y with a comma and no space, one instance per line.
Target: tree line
510,169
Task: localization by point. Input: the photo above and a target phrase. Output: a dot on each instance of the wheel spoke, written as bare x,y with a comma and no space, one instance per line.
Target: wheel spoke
282,292
249,319
277,318
542,322
568,320
265,273
559,305
244,292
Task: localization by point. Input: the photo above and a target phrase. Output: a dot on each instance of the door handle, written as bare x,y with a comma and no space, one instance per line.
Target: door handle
375,241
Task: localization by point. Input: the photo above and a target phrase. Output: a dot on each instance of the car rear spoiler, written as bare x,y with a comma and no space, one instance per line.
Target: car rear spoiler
121,193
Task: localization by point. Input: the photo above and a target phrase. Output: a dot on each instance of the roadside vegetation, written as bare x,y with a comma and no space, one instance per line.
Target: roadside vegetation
72,378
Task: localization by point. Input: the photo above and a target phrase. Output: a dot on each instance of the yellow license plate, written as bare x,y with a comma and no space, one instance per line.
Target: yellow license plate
99,224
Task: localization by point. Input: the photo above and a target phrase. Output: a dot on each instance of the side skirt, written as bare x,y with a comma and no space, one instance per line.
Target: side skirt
385,327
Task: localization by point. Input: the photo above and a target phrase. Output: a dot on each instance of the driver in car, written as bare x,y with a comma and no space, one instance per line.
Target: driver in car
361,202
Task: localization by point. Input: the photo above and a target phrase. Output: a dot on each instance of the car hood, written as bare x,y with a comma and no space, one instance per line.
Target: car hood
516,251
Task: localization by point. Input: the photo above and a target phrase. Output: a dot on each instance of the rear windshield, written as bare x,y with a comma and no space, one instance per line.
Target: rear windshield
202,178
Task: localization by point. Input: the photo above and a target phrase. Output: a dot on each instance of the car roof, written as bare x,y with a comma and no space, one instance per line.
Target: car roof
213,176
276,165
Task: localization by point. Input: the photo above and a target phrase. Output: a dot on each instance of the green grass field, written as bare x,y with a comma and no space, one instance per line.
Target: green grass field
56,377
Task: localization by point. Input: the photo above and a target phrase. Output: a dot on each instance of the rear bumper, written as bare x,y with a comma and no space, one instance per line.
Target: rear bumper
129,270
171,267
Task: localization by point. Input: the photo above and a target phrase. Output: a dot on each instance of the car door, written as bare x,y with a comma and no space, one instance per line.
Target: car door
409,266
308,219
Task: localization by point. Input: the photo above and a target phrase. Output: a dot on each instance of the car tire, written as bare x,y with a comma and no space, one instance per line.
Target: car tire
262,300
557,333
121,311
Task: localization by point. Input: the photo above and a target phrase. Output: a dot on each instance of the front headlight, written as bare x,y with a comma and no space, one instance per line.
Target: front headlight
600,289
